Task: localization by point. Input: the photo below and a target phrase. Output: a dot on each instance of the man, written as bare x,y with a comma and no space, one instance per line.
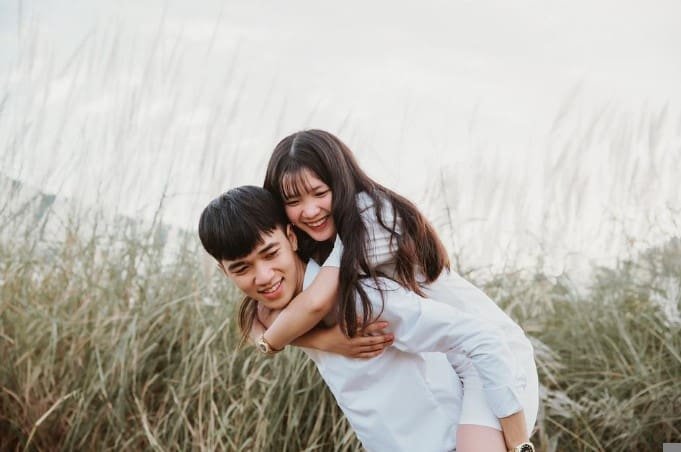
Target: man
402,400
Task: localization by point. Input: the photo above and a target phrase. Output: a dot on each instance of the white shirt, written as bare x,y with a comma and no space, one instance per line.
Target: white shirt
401,400
473,316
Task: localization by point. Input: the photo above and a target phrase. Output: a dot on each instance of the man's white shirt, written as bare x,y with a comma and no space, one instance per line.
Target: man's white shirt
398,401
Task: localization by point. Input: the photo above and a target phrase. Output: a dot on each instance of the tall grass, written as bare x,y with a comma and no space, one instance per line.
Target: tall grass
114,336
114,339
609,357
105,346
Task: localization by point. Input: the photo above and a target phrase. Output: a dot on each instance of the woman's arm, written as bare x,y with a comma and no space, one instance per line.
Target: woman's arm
306,309
371,341
381,248
310,306
422,325
515,429
368,344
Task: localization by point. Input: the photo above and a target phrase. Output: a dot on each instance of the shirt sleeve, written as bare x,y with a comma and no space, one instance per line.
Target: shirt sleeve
423,325
334,259
381,245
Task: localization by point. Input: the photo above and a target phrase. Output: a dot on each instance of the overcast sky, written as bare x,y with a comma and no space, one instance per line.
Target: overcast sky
101,95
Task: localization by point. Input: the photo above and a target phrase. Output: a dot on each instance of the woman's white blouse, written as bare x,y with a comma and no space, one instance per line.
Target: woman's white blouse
466,325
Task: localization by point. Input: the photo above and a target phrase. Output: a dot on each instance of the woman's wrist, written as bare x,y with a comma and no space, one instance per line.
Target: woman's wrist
265,347
515,429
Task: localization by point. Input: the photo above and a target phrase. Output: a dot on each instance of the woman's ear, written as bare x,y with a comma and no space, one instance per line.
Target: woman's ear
292,237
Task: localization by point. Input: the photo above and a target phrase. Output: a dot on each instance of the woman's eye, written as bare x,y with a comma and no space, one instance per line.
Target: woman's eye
291,202
321,194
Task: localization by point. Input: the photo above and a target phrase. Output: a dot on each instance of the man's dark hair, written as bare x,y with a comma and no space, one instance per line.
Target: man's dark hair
231,226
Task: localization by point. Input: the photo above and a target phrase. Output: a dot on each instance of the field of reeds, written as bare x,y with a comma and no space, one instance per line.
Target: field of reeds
117,336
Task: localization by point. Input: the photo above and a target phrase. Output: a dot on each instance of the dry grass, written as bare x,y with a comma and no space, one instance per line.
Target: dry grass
113,339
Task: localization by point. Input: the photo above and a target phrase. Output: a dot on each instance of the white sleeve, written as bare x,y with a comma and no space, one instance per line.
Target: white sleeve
423,325
381,245
334,259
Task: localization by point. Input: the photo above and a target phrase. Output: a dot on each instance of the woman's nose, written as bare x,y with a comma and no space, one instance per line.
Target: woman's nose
310,209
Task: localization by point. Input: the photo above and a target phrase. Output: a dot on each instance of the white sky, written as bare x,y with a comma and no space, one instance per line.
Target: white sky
117,98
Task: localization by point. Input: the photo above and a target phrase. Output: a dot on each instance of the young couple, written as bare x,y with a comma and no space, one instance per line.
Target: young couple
456,371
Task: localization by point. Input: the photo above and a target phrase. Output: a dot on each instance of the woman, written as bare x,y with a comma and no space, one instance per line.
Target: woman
325,195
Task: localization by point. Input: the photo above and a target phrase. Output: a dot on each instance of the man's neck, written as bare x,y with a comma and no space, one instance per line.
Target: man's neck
302,268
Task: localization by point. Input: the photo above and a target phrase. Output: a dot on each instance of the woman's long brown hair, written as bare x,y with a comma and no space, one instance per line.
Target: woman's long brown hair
420,253
248,311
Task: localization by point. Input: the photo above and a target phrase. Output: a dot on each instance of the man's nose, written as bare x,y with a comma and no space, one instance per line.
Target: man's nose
263,273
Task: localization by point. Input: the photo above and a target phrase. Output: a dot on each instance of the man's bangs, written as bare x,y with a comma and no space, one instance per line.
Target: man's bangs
234,224
243,240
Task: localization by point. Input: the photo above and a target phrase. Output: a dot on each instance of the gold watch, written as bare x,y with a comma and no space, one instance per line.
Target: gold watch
264,347
523,447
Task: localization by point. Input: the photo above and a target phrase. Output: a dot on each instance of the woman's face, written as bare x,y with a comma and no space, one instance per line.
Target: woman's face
309,207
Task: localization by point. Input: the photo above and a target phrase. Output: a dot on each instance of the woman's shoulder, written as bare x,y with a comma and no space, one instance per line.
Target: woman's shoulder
364,201
367,210
367,205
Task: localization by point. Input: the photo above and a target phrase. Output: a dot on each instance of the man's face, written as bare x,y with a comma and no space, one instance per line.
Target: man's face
272,273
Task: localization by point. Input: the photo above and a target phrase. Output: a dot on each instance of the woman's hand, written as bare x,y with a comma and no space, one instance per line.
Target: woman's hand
369,343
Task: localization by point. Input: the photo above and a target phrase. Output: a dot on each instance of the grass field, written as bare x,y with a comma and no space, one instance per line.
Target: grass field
115,334
112,339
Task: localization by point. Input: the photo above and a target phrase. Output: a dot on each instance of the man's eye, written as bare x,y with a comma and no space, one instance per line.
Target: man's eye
272,255
239,270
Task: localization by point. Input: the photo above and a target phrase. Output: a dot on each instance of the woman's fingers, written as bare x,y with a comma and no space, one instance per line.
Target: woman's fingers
375,328
370,346
369,354
362,341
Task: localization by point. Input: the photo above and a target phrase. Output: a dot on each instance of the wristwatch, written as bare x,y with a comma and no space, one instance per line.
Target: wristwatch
264,347
523,447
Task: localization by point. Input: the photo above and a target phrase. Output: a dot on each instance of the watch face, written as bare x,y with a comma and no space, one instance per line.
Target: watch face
526,448
262,347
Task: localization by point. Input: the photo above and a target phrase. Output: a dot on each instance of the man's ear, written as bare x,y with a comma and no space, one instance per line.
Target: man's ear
292,237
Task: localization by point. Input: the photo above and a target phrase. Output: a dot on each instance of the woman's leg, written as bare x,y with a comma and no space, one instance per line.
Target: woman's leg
479,429
479,438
